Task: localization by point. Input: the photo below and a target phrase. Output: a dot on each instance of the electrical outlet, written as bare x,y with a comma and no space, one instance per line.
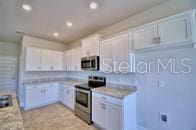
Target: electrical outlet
161,83
164,118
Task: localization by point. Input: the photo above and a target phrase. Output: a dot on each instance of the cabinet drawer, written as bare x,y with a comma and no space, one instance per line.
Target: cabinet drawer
108,99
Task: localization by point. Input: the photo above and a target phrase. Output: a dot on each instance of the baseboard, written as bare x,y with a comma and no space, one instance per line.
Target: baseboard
41,105
141,128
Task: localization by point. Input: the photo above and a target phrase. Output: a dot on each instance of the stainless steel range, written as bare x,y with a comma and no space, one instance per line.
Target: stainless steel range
83,100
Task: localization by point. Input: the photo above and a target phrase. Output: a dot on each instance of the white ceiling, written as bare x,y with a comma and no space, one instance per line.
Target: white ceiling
49,16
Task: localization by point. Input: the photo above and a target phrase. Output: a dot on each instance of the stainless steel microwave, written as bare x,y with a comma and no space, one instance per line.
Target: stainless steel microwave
90,63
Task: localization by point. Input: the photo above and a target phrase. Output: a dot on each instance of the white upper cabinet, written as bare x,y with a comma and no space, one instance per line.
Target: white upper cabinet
90,46
180,28
120,46
114,52
33,56
76,59
57,60
72,59
175,30
46,60
106,56
145,37
67,60
43,60
51,60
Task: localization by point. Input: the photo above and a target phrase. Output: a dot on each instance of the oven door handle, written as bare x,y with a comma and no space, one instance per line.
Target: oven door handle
84,91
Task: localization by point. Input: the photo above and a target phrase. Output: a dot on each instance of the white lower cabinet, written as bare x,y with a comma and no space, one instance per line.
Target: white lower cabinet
40,95
67,96
111,113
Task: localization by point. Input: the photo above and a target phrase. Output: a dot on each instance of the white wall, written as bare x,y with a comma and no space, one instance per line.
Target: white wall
177,97
9,49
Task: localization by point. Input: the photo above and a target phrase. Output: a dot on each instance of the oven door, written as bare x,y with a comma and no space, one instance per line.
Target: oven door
83,100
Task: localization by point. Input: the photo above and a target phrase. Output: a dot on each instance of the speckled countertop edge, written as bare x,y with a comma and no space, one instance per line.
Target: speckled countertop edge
119,93
10,116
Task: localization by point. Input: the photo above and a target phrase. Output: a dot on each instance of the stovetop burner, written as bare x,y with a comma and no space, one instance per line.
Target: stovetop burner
93,82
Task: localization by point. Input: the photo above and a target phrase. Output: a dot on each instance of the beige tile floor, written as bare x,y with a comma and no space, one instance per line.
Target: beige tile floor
53,117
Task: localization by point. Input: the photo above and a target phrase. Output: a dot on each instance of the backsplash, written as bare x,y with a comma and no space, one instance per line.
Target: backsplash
43,75
117,79
113,80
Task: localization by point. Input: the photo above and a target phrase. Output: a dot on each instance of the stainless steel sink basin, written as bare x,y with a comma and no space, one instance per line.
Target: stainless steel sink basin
5,101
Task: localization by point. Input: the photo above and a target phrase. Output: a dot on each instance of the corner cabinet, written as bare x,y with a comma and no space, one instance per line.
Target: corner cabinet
90,46
40,95
72,59
111,113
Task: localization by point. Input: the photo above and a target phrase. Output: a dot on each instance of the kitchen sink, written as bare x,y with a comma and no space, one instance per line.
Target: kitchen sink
5,101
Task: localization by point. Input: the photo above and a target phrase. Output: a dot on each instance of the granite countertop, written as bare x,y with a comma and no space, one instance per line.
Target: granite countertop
63,81
10,116
114,92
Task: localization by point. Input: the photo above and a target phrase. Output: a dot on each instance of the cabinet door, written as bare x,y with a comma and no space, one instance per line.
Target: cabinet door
175,30
145,37
57,60
106,57
66,95
98,112
76,59
32,59
46,60
67,60
71,97
61,94
90,46
120,45
113,117
51,93
33,96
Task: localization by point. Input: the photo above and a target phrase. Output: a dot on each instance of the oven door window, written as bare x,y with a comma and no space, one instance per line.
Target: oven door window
82,98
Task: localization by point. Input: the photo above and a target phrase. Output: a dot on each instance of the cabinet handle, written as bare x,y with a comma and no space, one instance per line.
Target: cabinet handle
44,90
158,39
37,67
103,106
155,40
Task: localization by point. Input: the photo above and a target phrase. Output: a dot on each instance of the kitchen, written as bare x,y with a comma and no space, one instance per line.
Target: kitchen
92,74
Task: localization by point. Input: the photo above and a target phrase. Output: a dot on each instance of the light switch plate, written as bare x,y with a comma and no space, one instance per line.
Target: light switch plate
161,83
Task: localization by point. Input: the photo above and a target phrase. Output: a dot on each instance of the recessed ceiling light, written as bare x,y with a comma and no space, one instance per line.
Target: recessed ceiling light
56,34
26,7
69,24
93,5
